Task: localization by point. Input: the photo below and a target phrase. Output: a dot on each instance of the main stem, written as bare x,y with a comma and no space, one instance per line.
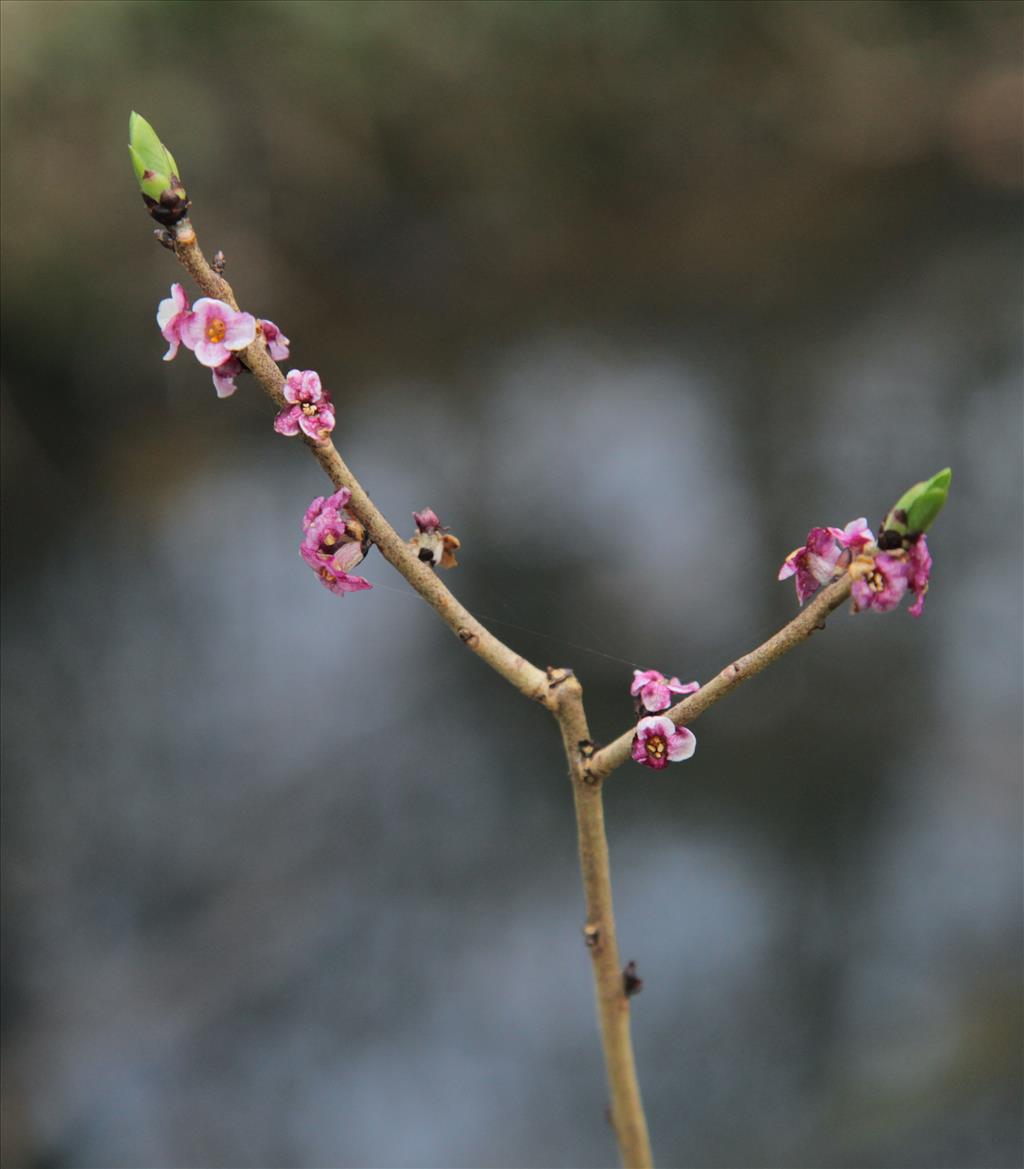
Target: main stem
627,1110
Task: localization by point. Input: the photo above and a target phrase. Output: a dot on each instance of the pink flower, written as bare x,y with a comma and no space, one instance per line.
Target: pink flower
311,412
658,742
337,502
855,536
919,569
334,543
171,315
882,586
277,342
814,563
224,376
655,690
214,331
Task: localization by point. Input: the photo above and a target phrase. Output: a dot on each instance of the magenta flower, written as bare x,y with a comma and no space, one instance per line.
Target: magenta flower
919,569
334,543
224,376
655,690
337,502
214,331
659,742
171,315
882,586
855,536
277,342
814,564
311,411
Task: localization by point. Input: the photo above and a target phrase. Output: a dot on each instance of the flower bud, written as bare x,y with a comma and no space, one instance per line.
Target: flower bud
156,172
916,509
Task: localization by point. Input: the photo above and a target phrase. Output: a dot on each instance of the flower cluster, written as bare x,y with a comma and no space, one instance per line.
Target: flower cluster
310,408
334,543
215,333
880,578
658,741
433,543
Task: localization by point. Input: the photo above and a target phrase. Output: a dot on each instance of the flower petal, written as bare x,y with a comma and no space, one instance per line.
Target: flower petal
211,353
287,422
681,745
240,330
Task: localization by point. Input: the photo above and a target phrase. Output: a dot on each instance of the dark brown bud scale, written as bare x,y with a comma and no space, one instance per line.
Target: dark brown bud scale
172,207
632,983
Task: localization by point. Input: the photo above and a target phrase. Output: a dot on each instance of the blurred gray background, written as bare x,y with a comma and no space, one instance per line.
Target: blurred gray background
633,294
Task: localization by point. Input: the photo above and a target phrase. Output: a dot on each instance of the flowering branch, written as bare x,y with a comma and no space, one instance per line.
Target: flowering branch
339,530
527,678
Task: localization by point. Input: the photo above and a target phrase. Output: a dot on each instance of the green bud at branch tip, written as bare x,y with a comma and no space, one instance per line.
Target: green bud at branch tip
156,173
916,509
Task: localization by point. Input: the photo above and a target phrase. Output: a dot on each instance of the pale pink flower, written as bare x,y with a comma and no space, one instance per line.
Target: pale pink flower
883,586
224,376
334,543
919,566
171,315
311,410
814,564
855,536
659,742
277,342
655,691
214,331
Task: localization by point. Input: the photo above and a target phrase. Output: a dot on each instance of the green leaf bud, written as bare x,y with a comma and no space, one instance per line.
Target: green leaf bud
156,172
916,509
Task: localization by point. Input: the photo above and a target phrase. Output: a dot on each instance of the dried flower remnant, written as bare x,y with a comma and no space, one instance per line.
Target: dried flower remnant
334,543
277,342
171,315
434,544
653,691
659,742
310,411
215,331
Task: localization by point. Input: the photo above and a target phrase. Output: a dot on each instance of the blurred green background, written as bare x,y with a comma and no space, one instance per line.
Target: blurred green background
633,294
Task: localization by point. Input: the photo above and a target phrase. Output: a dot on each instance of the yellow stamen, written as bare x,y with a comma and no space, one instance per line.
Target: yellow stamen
656,747
215,331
